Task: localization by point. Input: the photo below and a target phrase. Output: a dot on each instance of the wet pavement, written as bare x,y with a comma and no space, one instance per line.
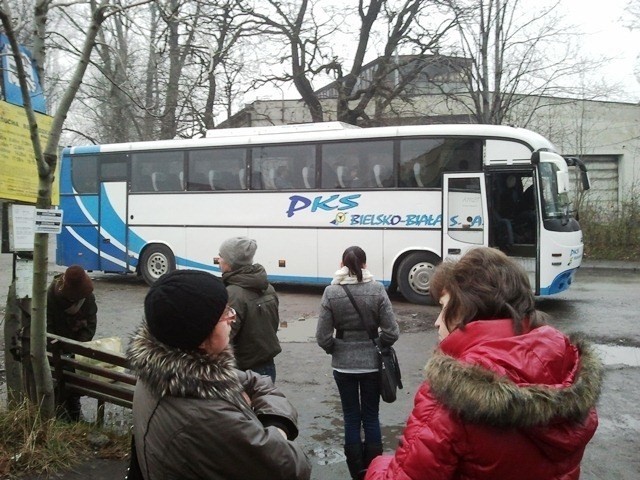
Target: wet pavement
603,304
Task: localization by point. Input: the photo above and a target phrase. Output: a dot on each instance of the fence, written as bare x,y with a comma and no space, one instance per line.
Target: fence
104,377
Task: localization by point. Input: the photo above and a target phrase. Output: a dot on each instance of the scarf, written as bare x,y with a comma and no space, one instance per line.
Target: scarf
342,277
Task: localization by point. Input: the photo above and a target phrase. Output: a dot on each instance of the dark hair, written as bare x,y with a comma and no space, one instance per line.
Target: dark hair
485,284
354,258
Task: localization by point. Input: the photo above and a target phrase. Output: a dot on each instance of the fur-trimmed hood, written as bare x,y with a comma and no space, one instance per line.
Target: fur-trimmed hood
169,371
496,405
470,386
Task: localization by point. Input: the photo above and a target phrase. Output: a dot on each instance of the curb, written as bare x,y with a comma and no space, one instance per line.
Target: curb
610,265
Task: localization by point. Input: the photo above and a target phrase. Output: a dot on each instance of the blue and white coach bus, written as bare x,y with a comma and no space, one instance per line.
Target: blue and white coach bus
409,196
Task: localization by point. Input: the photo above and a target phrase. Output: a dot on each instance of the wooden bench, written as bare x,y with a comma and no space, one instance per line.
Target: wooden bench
105,384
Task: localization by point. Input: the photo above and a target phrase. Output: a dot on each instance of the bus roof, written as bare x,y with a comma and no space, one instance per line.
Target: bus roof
325,131
270,130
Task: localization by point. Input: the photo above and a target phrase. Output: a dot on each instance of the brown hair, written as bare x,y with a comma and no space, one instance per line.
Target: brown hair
74,284
485,284
354,258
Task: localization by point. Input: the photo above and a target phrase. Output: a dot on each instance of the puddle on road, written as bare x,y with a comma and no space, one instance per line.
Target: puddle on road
300,331
619,355
327,456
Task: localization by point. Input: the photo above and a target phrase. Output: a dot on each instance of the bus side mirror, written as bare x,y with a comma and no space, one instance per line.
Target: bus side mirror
586,182
584,174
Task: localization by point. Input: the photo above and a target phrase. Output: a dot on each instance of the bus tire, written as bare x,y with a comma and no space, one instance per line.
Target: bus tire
155,262
414,276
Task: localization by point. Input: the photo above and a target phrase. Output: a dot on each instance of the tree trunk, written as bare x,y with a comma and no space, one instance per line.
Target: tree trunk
12,327
38,352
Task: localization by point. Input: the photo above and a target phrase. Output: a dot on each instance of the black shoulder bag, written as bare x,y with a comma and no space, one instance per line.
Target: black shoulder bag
388,366
133,472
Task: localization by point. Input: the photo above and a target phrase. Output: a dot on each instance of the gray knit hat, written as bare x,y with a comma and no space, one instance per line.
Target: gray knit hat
238,251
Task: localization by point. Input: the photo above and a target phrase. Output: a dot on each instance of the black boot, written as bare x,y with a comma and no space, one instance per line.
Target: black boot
371,451
354,460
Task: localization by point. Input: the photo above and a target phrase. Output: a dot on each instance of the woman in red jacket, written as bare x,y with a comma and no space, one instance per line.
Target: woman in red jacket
505,395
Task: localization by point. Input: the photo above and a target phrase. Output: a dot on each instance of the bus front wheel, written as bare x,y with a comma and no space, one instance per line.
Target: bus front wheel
156,261
414,276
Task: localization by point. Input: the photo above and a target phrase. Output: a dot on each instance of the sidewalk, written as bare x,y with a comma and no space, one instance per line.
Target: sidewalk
94,469
588,264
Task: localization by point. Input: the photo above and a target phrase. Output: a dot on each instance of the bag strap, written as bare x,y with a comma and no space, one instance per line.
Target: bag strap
362,317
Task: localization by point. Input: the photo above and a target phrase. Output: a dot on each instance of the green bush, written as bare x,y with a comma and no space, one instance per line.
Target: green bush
612,234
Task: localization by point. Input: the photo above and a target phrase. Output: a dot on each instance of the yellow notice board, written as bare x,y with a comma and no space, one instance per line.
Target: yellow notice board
18,172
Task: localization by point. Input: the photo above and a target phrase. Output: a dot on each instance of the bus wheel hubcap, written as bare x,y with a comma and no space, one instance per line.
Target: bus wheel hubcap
419,277
157,264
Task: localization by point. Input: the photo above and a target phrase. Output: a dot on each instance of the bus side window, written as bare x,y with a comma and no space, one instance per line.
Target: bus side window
144,183
84,172
382,176
256,180
229,181
198,181
141,172
157,181
212,179
268,175
422,161
329,176
282,179
173,183
222,180
305,177
416,174
166,182
341,174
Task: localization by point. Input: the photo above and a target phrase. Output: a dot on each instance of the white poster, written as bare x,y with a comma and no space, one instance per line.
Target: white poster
21,227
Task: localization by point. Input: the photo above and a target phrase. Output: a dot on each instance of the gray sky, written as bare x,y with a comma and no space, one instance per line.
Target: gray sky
603,24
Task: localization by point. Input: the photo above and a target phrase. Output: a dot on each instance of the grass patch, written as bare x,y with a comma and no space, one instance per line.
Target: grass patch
31,445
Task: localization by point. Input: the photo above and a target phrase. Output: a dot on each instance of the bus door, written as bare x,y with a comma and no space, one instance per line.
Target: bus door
514,217
112,245
464,213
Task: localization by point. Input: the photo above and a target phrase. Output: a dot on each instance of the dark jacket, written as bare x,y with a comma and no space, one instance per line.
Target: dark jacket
79,326
190,419
254,333
338,318
500,406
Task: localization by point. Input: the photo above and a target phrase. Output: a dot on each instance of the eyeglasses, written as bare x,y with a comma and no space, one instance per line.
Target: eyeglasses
228,313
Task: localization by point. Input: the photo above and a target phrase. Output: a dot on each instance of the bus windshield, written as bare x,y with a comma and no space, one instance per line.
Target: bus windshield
555,204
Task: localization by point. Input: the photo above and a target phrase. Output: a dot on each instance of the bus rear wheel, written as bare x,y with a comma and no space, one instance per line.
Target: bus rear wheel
414,276
156,261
